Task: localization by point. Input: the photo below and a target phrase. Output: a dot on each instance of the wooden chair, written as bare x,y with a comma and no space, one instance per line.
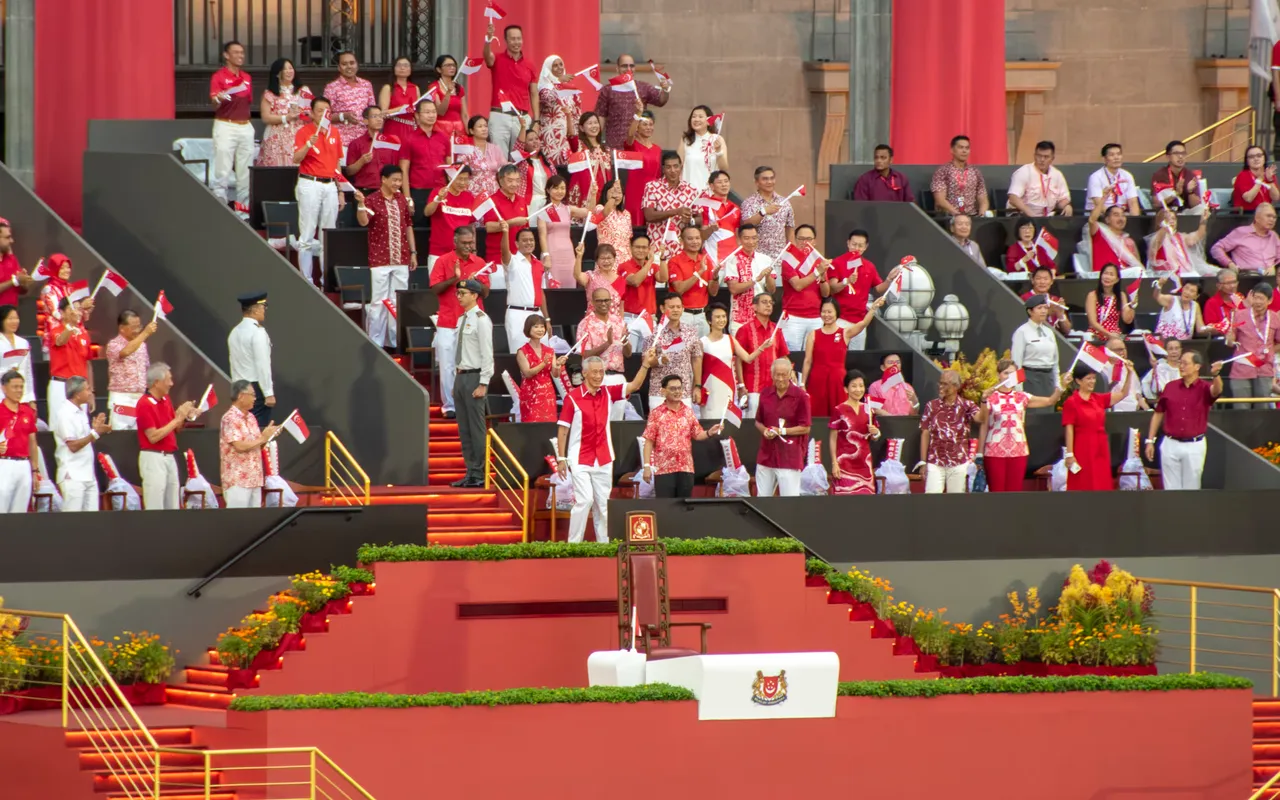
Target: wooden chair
199,496
642,586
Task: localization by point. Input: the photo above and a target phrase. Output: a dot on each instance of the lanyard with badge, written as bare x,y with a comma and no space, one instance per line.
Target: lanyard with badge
1265,333
962,180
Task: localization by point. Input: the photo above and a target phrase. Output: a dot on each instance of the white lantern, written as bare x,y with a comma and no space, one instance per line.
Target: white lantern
924,320
951,319
901,317
917,287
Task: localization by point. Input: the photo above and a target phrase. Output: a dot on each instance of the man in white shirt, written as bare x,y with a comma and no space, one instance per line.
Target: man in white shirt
73,437
525,278
1035,349
1163,371
1040,189
1133,401
1112,185
250,349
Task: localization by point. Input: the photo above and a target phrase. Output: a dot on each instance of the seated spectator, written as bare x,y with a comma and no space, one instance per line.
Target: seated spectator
14,280
961,226
1042,283
1039,189
957,187
1255,247
1164,370
944,437
771,213
1174,175
1131,398
1179,313
1107,304
1110,243
73,437
1255,330
1024,254
1172,252
899,399
1256,183
1035,348
883,184
1112,185
1226,301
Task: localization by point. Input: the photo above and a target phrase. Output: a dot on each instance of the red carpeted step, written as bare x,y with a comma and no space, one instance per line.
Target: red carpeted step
185,781
467,538
445,478
170,795
447,463
1264,771
165,737
1266,729
462,498
458,521
445,429
213,676
1266,708
200,695
444,447
93,761
1266,751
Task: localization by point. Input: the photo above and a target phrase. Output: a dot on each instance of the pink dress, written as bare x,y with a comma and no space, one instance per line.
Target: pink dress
560,244
277,140
484,168
555,125
615,230
853,451
538,394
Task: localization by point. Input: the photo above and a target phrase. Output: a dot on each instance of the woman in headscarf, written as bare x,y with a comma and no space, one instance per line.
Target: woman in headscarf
57,287
558,114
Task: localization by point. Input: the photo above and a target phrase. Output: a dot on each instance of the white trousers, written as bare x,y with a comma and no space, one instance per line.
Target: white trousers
160,486
858,342
786,481
1181,463
503,130
446,351
378,322
242,497
79,495
795,329
232,146
515,328
591,489
317,210
120,422
753,405
954,479
15,486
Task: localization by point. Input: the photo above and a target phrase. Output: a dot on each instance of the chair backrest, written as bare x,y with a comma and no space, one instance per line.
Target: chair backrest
501,347
642,582
355,284
280,218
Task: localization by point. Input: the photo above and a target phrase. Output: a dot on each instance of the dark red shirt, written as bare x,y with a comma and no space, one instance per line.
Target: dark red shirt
793,409
1215,308
238,87
512,78
386,151
1185,408
450,309
853,304
874,186
8,291
508,210
71,359
18,427
426,153
155,413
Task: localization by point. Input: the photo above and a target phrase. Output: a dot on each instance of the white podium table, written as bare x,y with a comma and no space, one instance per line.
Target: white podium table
615,668
754,686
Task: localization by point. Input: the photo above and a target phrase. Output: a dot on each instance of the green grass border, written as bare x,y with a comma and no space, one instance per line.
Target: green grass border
660,692
372,554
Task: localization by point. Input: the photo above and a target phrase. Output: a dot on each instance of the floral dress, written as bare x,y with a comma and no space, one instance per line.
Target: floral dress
615,230
277,140
853,450
538,393
484,168
585,186
555,125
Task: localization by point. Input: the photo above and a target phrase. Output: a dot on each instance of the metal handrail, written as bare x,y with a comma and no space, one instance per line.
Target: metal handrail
1253,118
753,508
511,482
351,484
1262,790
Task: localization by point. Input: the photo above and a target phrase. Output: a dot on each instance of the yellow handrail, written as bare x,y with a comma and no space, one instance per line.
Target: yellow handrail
1262,790
93,703
1212,624
343,478
501,467
1253,125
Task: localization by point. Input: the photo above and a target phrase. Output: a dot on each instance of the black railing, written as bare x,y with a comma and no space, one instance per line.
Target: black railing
748,506
308,32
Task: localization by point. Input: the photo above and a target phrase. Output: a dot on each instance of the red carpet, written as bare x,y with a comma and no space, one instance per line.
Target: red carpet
1266,743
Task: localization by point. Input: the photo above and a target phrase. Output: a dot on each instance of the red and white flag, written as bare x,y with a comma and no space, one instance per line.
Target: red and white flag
43,270
208,400
731,458
623,84
627,160
461,146
592,74
125,411
386,144
677,344
470,66
1165,194
891,377
494,11
344,185
565,91
664,76
1132,290
79,291
1048,243
579,162
13,359
483,208
390,306
1013,380
592,222
797,193
732,414
296,427
1096,357
108,465
715,123
323,124
1155,347
505,103
778,328
799,259
163,307
646,319
874,402
111,281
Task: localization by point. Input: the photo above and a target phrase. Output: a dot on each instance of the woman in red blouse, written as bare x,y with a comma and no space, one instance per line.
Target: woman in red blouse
1107,305
56,288
400,96
1025,255
585,185
824,357
1084,416
640,140
449,96
1256,183
537,362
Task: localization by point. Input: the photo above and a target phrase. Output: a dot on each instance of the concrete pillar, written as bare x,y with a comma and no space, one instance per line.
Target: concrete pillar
20,88
870,69
451,29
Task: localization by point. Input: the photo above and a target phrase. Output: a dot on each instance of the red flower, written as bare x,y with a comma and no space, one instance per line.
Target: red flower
1100,572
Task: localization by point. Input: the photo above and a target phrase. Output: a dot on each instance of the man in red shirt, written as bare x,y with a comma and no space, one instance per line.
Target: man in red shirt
393,253
18,453
852,278
668,435
1183,407
422,156
317,149
450,269
642,272
69,355
691,276
512,209
1226,301
760,334
232,97
802,293
14,280
449,209
584,444
783,423
514,81
367,155
158,423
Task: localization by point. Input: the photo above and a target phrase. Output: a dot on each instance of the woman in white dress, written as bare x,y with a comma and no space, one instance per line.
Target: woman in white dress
11,342
1182,254
1179,313
720,346
702,151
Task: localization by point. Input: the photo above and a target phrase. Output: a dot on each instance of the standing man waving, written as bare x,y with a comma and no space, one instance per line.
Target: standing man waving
250,349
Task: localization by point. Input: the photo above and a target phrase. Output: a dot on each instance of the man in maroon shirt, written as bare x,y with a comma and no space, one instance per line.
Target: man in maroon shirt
367,154
783,420
232,96
1183,407
14,280
158,423
423,153
513,80
883,184
18,464
618,110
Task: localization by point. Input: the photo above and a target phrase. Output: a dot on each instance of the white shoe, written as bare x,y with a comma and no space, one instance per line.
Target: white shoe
293,242
280,244
351,306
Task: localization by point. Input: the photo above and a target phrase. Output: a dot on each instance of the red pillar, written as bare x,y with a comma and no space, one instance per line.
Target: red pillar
948,79
95,59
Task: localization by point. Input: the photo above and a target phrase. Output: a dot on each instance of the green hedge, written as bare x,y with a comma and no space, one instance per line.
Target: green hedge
654,692
1028,685
372,554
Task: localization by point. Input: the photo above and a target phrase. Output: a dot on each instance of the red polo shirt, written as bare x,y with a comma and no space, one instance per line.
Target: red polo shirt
507,209
793,409
386,151
426,153
71,359
586,415
853,304
453,212
1185,408
322,157
237,108
18,427
450,308
756,375
803,303
512,77
681,268
153,413
8,291
1215,308
638,299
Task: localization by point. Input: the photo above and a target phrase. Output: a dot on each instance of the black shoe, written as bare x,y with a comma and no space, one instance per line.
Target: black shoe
461,484
450,414
473,483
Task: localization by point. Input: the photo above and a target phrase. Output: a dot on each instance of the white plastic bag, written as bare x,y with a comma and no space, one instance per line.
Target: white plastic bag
46,486
197,484
272,480
1136,480
735,481
813,478
892,470
1058,475
117,485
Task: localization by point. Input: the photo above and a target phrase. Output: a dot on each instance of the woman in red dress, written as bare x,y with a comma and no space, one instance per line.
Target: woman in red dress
1025,255
824,357
1107,305
1256,183
537,362
640,140
585,185
852,429
1084,416
400,96
449,96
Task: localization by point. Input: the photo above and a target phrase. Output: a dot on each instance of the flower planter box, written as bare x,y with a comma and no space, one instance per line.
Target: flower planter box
359,589
10,703
815,581
41,698
1035,669
137,694
863,612
242,679
905,646
144,694
267,659
291,641
342,606
314,623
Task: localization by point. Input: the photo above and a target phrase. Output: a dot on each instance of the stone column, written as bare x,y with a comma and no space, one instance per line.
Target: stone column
20,89
870,70
451,28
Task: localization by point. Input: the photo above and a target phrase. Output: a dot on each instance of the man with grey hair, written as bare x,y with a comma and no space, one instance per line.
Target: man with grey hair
73,436
783,419
584,444
944,437
158,424
240,444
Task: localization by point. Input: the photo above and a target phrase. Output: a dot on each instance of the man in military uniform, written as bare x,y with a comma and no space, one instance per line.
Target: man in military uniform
250,349
474,371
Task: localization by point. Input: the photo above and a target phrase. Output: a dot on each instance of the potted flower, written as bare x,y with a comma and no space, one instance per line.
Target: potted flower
358,580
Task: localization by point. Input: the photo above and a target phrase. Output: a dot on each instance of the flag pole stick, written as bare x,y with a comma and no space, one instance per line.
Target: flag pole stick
101,278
